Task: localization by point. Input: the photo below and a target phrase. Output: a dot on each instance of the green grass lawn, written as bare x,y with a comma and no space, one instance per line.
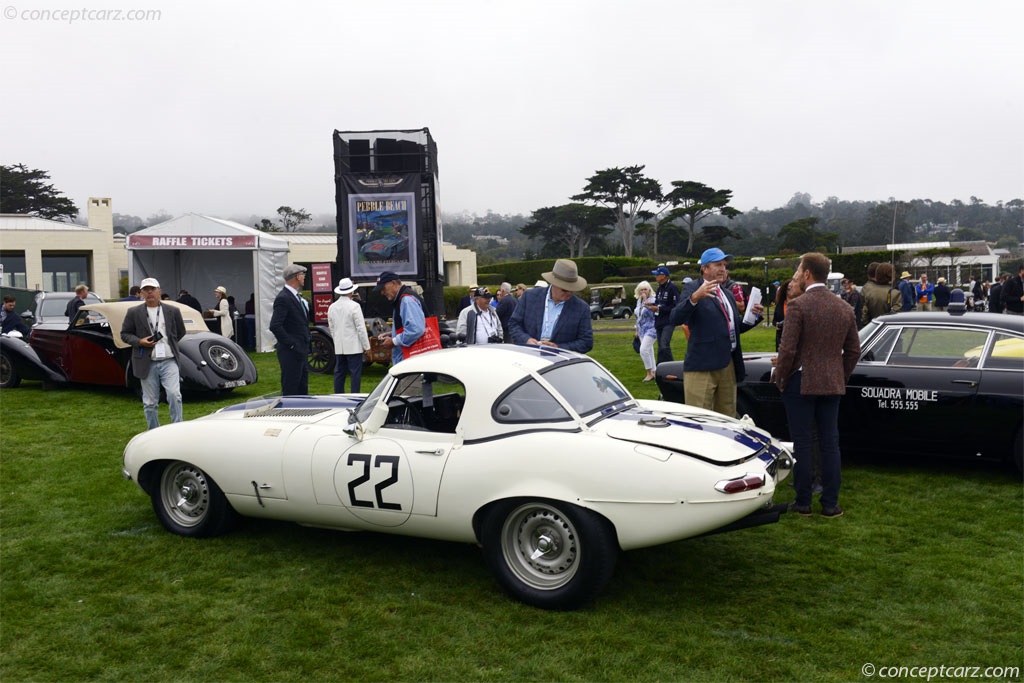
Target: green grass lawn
925,569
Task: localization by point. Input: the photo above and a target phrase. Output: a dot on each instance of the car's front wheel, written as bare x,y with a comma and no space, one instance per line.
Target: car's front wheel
9,378
549,554
189,503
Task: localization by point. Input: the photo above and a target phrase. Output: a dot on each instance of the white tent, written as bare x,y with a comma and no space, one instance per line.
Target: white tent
200,253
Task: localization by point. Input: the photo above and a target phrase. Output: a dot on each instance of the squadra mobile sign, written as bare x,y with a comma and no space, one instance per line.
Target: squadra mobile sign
191,242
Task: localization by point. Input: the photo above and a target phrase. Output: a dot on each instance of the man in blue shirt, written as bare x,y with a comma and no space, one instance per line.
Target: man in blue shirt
409,321
553,315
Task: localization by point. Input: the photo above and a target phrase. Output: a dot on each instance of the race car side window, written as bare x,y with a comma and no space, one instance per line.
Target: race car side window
938,347
528,401
879,351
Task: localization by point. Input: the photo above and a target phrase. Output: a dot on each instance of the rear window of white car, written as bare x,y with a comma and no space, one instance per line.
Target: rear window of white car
529,402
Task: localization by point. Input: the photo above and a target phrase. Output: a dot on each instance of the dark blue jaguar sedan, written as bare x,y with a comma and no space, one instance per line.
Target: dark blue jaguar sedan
948,384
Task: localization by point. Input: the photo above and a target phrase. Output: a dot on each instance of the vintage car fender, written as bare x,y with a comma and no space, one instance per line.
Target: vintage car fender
26,363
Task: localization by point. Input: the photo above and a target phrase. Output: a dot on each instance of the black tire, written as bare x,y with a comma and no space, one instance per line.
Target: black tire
222,358
549,554
595,316
321,354
189,503
9,377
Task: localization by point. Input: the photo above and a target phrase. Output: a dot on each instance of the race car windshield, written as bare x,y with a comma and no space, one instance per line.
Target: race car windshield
586,386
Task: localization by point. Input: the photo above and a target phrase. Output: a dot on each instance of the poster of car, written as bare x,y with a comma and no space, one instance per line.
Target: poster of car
384,232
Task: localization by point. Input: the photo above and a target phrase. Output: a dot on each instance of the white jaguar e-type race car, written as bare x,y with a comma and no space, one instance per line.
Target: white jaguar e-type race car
541,456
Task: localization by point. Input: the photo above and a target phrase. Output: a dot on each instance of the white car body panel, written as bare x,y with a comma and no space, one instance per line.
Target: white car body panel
649,467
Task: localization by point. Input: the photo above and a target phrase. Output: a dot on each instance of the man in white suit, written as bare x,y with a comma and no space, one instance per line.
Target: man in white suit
348,329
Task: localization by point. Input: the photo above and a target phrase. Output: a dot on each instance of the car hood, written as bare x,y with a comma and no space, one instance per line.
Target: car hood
702,434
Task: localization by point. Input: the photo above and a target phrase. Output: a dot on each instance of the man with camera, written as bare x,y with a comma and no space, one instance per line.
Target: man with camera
154,330
479,323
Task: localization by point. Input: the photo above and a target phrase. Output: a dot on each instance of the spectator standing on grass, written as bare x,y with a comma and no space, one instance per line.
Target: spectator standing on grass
851,296
714,354
941,294
11,321
153,330
185,298
290,326
925,292
995,294
222,310
908,297
348,331
409,321
554,315
71,310
479,323
881,299
819,352
779,317
645,329
1013,294
665,300
506,307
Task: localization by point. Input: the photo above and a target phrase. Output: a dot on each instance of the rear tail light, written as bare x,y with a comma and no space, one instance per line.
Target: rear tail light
747,482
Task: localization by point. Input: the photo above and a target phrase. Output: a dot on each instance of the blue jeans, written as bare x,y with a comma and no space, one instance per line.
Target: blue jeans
347,364
665,343
161,373
806,413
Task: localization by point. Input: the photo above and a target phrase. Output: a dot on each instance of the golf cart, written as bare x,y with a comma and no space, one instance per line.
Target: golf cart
609,301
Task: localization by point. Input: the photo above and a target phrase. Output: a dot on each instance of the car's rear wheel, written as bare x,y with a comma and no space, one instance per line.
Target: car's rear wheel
189,503
223,359
9,377
321,353
549,554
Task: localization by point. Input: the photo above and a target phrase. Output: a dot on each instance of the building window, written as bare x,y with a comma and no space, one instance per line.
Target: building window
12,264
64,272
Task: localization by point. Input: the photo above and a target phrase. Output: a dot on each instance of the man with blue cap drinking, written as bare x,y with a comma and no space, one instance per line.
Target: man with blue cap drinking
714,357
664,301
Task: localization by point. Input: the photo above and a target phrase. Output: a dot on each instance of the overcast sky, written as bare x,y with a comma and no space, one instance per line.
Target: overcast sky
228,108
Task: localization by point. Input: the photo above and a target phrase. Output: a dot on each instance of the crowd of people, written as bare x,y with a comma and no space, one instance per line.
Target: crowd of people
710,310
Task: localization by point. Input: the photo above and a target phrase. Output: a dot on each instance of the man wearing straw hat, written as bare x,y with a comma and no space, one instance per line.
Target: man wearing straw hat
348,329
552,315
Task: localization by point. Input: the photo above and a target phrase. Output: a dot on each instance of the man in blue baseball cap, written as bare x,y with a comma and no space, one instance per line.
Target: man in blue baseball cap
714,356
664,301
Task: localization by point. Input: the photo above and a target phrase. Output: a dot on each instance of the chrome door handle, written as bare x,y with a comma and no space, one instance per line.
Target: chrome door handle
436,451
969,382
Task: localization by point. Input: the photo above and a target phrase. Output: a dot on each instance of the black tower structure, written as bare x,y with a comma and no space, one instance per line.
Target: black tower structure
388,217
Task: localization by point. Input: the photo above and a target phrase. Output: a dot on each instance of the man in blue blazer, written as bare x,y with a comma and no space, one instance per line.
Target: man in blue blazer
290,324
554,316
714,356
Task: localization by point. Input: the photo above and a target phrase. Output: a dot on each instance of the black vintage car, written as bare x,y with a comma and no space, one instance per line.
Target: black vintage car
88,350
949,384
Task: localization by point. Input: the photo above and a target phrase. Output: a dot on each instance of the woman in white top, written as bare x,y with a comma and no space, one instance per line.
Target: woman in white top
223,312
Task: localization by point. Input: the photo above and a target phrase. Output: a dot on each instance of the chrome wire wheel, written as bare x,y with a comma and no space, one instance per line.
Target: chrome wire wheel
185,494
223,360
540,546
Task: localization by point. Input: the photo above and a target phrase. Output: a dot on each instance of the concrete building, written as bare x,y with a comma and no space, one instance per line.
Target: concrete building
39,253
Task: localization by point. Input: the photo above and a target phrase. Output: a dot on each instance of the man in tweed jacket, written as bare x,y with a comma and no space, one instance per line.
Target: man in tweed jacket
817,355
